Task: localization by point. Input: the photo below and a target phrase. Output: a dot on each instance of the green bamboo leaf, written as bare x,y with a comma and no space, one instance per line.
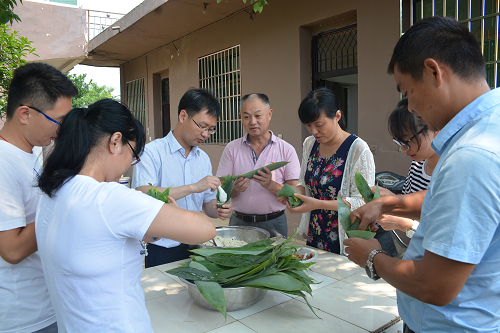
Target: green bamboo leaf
211,291
263,242
271,167
376,195
207,252
344,213
193,274
355,225
360,234
234,260
279,281
288,191
249,175
155,193
363,187
227,186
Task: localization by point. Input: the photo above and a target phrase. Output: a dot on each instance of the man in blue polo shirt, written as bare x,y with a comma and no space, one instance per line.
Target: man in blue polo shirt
449,279
176,161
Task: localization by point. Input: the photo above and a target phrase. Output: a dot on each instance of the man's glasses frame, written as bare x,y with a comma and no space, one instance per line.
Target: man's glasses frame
136,157
203,129
40,111
406,144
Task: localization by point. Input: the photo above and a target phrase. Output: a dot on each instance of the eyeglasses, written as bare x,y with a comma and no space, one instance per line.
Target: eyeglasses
37,110
210,131
136,158
406,144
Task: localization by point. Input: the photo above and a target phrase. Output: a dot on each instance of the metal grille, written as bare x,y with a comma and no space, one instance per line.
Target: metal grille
336,49
480,16
136,100
219,73
98,21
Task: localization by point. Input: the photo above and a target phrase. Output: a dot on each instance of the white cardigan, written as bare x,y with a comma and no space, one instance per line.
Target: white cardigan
359,158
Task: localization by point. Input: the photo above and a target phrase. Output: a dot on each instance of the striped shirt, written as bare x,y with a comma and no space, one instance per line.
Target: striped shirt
417,179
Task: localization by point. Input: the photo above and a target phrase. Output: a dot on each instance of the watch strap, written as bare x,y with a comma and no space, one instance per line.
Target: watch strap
369,262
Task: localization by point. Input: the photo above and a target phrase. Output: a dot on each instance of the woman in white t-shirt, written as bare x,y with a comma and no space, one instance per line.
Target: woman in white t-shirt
414,138
89,227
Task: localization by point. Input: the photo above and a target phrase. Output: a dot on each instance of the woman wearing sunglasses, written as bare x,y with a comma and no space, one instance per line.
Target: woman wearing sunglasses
89,227
415,140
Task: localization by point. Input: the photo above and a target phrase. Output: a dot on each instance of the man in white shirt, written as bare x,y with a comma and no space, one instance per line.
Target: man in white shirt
39,98
176,161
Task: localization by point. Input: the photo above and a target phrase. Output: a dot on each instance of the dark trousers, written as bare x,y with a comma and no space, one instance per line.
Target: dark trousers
277,227
406,329
159,255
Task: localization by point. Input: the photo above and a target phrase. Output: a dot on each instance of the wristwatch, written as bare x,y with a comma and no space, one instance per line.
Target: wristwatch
370,270
411,231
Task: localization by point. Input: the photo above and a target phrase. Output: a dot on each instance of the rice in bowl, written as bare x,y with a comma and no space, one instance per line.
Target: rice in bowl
226,242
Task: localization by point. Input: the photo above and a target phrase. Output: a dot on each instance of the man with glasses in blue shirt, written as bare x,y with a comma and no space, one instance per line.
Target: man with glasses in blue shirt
175,161
39,98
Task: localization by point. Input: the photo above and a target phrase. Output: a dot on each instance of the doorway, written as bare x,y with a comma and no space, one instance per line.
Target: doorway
165,105
335,66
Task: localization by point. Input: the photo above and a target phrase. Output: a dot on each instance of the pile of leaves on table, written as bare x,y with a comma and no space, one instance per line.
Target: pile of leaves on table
259,265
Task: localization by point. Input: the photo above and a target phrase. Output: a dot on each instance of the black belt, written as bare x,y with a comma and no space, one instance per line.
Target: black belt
258,217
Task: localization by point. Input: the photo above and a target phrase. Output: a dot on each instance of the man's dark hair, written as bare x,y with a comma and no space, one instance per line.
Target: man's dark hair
443,39
194,100
262,97
39,85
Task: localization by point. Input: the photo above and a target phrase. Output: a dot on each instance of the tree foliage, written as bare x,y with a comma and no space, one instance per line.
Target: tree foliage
258,5
7,13
90,92
13,50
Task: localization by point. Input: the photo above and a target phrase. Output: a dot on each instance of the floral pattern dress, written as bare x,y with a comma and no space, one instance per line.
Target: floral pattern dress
323,178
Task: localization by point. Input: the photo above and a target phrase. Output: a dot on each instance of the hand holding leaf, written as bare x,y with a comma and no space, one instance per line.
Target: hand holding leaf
155,193
288,192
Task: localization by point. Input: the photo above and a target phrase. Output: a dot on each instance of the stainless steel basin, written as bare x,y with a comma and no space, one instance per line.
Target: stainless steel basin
246,234
236,298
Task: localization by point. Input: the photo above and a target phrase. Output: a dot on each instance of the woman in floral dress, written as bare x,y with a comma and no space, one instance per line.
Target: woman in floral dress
330,159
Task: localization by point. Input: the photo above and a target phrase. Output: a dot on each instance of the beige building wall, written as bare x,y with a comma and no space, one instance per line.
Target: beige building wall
57,32
276,60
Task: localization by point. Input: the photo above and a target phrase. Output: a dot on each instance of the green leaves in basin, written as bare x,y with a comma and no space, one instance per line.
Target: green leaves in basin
211,291
288,191
257,265
249,175
153,192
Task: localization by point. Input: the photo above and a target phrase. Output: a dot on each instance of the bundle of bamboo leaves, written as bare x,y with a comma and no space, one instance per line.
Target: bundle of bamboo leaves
345,212
228,181
259,265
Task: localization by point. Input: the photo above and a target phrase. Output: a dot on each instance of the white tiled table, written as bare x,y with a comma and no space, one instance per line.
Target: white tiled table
346,300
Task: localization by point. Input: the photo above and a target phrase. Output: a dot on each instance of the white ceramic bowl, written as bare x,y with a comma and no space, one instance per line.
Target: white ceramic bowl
305,251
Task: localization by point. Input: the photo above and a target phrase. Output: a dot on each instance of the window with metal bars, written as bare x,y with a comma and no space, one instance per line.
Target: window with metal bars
480,16
219,73
335,52
136,100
